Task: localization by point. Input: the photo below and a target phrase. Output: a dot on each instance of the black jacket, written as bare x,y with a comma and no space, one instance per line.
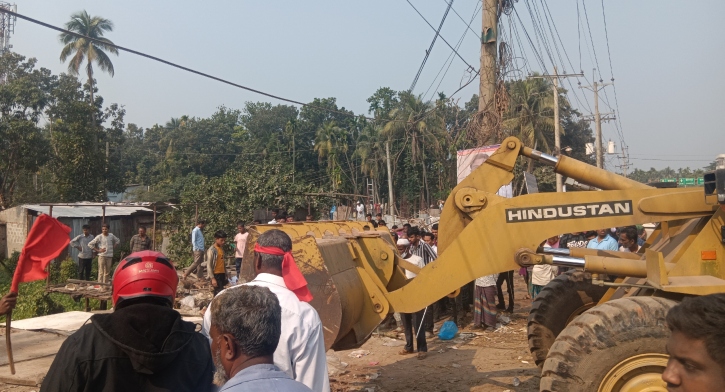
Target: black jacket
141,347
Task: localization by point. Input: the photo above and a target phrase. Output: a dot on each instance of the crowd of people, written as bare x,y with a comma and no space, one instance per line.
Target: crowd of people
261,335
264,335
623,239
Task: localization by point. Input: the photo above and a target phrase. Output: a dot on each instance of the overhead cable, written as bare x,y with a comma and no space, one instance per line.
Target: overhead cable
430,48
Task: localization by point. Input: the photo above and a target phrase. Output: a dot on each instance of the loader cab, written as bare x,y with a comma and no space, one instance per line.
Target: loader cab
715,180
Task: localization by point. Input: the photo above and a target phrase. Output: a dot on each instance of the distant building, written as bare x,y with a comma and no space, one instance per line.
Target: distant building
15,223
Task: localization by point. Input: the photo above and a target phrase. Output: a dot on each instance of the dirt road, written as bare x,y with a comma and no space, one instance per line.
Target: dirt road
490,361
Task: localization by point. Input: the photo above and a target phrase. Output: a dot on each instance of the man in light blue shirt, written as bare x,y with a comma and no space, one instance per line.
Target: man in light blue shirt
197,244
246,324
603,241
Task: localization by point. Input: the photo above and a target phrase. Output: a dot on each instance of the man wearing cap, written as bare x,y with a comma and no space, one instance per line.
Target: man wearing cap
301,349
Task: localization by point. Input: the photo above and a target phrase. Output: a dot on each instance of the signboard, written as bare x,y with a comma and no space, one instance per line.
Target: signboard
687,181
668,180
469,160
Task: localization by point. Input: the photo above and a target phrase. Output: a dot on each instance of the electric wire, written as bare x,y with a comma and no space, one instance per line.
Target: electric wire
468,25
430,48
154,58
444,40
449,60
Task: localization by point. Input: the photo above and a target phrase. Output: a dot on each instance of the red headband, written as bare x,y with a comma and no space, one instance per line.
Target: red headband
293,278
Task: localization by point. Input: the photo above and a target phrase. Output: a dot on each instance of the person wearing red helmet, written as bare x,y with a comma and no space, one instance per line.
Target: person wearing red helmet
144,345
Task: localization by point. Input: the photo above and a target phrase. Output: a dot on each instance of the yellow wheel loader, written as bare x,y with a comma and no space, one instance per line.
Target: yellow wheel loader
613,340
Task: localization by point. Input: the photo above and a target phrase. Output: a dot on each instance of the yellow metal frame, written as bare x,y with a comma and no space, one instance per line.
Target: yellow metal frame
345,261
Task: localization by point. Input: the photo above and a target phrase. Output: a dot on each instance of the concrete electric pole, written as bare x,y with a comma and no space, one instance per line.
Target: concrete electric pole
390,181
557,122
598,118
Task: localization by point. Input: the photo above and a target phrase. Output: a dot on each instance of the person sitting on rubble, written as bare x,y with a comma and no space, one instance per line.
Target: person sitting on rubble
245,330
696,345
144,345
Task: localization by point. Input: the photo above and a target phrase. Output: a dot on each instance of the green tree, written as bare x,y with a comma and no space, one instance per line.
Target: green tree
77,166
330,143
23,96
420,125
531,113
81,49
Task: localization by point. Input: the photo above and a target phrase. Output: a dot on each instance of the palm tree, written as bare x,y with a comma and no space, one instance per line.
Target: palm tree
80,49
531,113
330,142
419,123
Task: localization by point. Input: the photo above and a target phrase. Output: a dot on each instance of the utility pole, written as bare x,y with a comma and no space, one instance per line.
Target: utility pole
487,88
625,159
390,179
595,87
557,122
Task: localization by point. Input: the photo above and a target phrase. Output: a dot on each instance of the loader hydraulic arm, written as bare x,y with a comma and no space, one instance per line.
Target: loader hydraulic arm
357,276
481,232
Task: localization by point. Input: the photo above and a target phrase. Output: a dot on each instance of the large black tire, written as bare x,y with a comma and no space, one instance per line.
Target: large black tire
564,298
605,337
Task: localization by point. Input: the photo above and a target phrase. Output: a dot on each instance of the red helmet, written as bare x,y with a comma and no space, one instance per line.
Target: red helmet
143,274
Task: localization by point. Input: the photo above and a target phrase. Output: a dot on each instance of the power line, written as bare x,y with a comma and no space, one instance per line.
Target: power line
106,43
449,60
591,37
468,25
566,54
611,70
430,48
606,35
579,34
444,40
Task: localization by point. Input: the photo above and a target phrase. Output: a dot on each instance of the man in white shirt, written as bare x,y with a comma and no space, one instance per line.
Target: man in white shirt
240,241
301,349
104,244
542,274
360,208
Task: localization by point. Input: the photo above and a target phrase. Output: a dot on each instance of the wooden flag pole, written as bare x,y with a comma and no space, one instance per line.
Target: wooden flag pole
9,345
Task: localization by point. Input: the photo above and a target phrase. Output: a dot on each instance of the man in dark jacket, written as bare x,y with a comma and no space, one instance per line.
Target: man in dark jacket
144,345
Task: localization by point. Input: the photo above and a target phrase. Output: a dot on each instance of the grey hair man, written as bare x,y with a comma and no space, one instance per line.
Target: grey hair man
301,349
245,330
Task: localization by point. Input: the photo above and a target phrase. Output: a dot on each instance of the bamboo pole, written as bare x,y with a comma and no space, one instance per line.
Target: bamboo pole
8,344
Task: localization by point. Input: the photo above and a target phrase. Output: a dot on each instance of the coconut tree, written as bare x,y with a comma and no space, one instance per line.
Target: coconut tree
419,123
80,49
530,116
330,142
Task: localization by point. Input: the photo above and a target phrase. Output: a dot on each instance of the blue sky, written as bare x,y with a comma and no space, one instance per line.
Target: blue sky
666,58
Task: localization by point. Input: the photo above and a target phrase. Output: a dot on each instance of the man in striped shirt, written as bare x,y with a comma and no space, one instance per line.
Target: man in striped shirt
419,248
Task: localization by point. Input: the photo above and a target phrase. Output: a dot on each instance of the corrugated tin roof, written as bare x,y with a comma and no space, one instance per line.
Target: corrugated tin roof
81,211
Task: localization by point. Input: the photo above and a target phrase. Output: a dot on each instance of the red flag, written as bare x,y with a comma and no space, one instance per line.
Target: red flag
46,240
